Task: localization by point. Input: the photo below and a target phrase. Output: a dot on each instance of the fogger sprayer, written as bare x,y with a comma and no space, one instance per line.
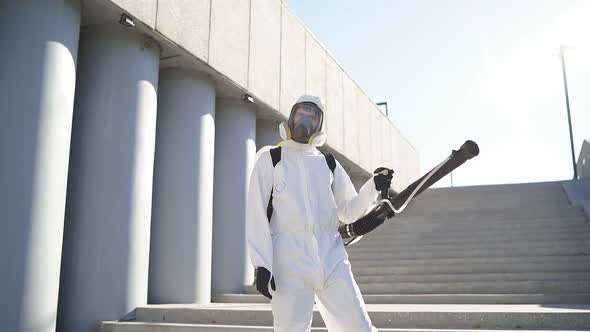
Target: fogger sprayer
389,205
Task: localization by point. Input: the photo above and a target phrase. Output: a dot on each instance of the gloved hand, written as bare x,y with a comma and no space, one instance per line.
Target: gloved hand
262,278
382,178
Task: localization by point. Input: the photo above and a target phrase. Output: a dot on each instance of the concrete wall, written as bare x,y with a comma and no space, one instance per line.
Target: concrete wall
263,49
583,166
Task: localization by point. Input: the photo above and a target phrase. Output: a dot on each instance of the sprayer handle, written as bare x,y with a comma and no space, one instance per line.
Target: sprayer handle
385,172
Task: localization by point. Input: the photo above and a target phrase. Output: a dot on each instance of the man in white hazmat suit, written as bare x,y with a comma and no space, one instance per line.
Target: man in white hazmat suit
299,254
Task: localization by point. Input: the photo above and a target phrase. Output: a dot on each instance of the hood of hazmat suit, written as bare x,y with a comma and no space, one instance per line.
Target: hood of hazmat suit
301,246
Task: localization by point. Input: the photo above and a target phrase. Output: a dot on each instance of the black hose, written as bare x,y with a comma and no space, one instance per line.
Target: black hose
468,150
367,223
379,214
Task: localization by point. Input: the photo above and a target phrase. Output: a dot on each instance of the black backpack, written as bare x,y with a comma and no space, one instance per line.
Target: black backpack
275,154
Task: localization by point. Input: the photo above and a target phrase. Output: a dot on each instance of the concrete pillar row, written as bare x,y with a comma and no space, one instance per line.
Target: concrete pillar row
235,153
182,215
267,133
107,227
38,53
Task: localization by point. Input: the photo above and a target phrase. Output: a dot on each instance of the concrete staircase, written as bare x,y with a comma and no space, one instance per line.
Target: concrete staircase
504,257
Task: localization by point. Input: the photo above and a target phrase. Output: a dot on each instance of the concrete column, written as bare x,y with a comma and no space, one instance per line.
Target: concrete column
107,225
182,216
235,151
38,51
267,133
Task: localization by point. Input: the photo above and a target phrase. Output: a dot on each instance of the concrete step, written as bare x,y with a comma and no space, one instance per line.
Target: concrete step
494,214
441,230
396,253
485,265
454,252
114,326
518,189
543,260
365,248
565,317
395,227
494,234
402,226
481,204
525,194
398,225
501,240
437,298
471,277
574,217
471,287
484,201
478,287
170,327
437,194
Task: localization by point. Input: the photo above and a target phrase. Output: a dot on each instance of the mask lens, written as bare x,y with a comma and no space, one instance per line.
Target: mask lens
307,115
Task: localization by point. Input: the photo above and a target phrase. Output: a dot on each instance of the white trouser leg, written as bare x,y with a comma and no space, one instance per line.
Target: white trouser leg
341,302
292,308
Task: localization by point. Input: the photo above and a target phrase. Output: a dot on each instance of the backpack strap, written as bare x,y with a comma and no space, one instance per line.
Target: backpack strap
275,154
330,160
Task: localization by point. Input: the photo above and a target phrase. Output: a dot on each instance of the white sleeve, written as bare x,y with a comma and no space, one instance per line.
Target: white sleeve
352,206
257,228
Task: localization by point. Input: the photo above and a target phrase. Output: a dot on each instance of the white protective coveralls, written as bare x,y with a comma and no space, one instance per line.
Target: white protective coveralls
301,246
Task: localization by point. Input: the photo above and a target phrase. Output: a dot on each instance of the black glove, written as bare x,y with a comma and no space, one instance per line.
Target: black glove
382,178
262,278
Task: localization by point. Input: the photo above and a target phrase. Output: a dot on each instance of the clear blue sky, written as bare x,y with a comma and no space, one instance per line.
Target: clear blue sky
484,70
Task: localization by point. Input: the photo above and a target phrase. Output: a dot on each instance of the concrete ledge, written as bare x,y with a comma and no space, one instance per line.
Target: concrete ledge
186,23
400,178
350,128
390,315
315,67
229,39
334,108
437,298
380,149
260,47
292,61
363,119
174,327
170,327
265,51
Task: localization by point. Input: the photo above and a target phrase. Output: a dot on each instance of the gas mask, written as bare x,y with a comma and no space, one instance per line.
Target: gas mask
305,121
